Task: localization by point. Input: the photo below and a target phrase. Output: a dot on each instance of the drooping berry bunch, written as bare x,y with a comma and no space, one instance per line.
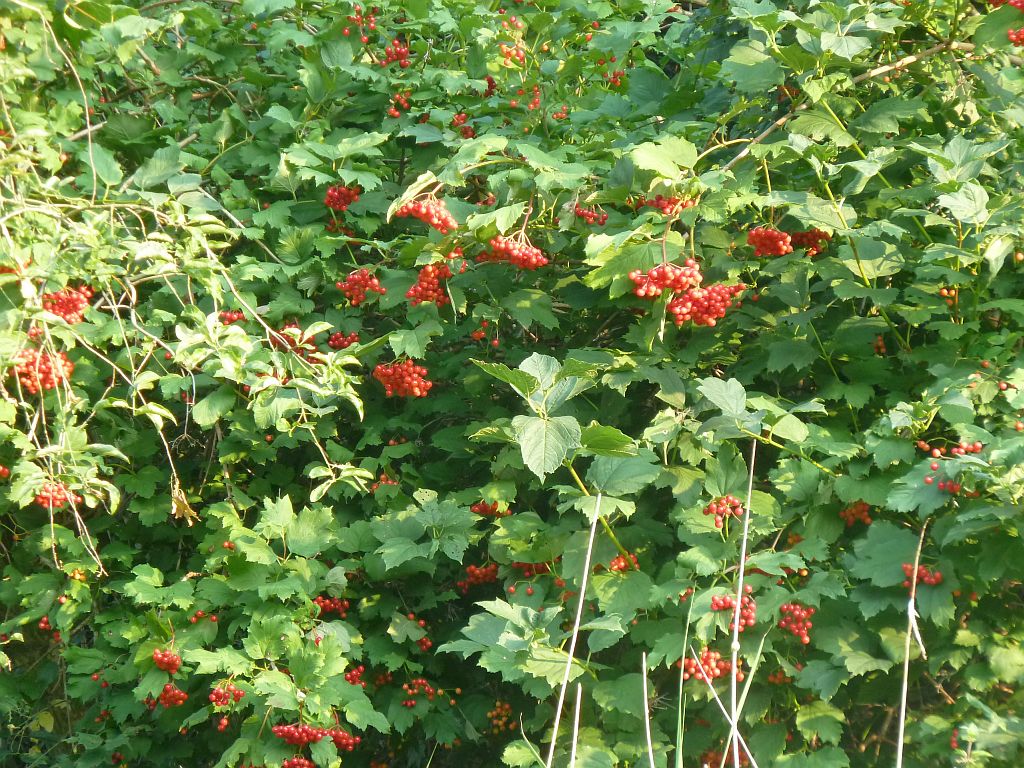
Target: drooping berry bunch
480,333
671,277
620,563
517,251
336,605
404,379
812,239
168,661
769,242
418,686
53,495
225,695
924,575
590,215
431,211
715,757
231,316
529,570
669,206
369,21
44,624
5,472
39,370
501,718
614,77
964,448
879,346
704,306
951,295
355,676
488,509
339,197
339,340
343,740
858,512
723,507
796,619
69,303
172,696
748,608
299,734
459,121
711,667
382,480
429,286
399,103
779,677
512,53
298,762
478,574
195,617
1016,36
357,284
561,114
397,51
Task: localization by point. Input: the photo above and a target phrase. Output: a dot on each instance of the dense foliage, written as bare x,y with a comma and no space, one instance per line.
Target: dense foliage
328,331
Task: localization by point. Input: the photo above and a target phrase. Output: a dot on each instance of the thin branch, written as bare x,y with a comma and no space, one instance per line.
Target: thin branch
911,624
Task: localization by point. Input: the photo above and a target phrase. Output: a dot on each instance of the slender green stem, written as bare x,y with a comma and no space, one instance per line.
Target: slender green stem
787,449
604,522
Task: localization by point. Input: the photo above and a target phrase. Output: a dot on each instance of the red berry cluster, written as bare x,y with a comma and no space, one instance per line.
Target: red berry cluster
430,211
954,737
370,22
228,545
879,345
704,306
416,687
924,575
397,51
382,480
202,615
343,740
561,114
501,717
796,619
459,121
1016,36
769,242
69,303
591,215
812,239
672,277
172,696
529,570
779,677
405,379
478,574
231,316
339,340
36,370
223,723
519,252
399,102
298,762
355,676
857,512
670,206
299,734
55,496
711,667
614,77
44,624
168,661
332,605
223,696
480,333
714,757
748,608
723,507
428,286
488,510
511,52
339,197
951,295
357,284
4,472
619,563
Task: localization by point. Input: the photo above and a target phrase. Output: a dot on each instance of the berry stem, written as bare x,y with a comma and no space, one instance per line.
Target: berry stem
604,523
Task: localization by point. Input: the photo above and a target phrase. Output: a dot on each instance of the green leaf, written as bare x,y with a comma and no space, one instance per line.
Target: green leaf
728,396
413,342
522,382
880,554
546,442
821,720
752,68
607,441
969,204
616,476
818,124
211,408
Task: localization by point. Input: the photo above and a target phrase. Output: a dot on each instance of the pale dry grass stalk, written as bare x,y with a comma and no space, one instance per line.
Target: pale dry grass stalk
733,708
911,632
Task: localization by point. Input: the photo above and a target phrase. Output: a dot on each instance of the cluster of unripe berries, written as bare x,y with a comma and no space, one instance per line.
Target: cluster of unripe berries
230,316
519,252
796,619
924,575
812,239
336,605
501,717
339,340
225,695
428,286
355,676
404,379
486,509
356,285
478,574
711,666
339,197
748,608
723,507
69,303
620,563
168,661
56,496
430,211
670,206
172,696
858,512
39,370
769,242
590,215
